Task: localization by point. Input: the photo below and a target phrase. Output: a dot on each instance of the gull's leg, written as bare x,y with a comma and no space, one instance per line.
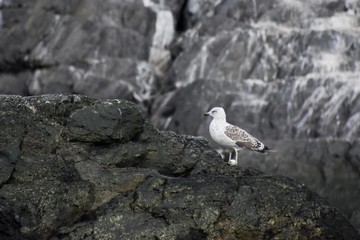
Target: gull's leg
236,156
231,161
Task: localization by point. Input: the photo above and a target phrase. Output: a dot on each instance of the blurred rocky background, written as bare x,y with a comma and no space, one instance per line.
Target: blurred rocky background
287,71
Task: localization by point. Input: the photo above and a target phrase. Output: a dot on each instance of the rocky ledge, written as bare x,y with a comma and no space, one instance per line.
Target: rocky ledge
74,167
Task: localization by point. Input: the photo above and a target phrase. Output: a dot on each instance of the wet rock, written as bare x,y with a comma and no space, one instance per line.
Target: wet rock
73,167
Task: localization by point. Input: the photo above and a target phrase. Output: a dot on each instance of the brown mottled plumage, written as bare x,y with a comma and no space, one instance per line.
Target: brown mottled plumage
243,139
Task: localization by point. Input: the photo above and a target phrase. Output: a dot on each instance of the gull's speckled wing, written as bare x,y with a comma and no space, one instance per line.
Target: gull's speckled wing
243,139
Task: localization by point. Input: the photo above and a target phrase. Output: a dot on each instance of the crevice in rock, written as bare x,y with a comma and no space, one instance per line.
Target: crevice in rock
185,173
9,179
194,234
21,143
23,66
155,214
181,25
89,216
188,171
269,234
164,185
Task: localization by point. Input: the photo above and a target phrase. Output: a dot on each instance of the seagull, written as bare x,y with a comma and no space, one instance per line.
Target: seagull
230,136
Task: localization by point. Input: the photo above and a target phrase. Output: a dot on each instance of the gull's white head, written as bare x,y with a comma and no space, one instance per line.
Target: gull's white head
216,113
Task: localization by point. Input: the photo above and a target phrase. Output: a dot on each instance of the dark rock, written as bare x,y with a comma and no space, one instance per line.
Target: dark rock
84,47
98,123
282,70
72,167
328,167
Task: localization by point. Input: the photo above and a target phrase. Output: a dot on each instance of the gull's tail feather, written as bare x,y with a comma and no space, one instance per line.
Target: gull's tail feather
267,149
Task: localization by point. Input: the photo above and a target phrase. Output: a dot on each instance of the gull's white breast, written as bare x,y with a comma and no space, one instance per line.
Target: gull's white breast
217,133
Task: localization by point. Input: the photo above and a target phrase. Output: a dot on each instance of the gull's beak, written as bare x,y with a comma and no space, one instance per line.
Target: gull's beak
206,114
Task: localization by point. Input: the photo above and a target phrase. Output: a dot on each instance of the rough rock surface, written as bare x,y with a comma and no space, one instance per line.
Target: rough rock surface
328,167
74,167
283,69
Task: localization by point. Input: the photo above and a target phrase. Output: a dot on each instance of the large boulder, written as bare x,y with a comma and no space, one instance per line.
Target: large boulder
74,167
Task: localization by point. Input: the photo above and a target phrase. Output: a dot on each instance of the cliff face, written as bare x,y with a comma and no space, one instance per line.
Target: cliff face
286,71
283,69
74,167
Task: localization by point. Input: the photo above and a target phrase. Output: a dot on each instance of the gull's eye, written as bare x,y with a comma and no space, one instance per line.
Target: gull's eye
213,111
